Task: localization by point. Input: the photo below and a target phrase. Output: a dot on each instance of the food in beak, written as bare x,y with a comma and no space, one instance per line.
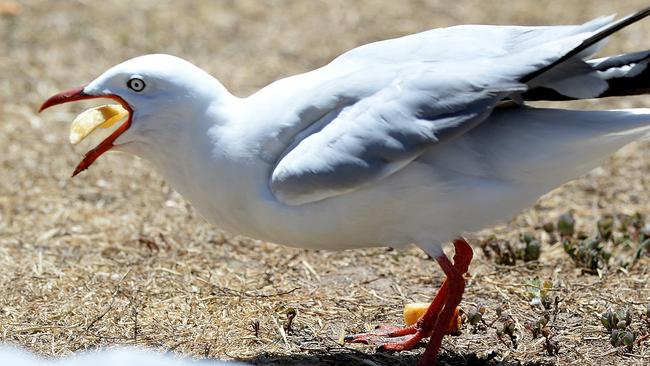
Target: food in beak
102,117
106,117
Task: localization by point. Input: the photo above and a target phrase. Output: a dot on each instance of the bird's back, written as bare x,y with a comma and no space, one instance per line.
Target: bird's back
462,42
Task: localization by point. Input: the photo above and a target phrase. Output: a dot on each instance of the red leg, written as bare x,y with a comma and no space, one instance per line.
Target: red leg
439,317
421,329
463,255
456,287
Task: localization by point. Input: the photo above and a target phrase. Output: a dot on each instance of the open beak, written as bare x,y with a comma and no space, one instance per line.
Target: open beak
78,94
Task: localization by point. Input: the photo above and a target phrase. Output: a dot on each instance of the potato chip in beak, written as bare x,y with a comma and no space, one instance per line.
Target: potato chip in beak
104,117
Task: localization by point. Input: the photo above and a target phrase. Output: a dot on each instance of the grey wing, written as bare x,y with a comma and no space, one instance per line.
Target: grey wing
574,78
380,134
426,103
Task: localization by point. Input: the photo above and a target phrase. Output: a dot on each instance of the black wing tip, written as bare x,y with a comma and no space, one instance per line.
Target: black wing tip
602,34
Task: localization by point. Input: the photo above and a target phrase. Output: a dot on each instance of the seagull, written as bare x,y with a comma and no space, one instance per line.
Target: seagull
417,139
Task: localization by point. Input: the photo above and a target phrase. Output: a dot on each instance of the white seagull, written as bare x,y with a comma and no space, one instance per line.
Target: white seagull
416,139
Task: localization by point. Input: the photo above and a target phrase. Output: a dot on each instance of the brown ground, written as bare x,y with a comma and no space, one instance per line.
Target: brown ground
116,257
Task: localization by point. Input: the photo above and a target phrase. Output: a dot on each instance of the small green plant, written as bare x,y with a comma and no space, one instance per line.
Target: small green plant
536,327
631,225
606,227
644,248
540,328
474,317
539,293
503,324
532,248
618,239
618,324
508,328
255,324
291,315
616,320
566,225
589,254
505,253
501,250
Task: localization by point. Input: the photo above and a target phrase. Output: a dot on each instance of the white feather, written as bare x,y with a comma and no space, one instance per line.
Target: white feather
127,356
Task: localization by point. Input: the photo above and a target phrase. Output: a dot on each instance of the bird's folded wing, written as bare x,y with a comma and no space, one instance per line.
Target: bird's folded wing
425,104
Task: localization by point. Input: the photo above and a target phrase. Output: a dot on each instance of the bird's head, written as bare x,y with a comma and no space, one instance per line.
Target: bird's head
155,91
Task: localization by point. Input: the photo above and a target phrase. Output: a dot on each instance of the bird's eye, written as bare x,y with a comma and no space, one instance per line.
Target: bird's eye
136,84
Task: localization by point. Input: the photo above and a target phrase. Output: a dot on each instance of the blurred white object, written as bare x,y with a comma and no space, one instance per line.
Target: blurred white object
127,356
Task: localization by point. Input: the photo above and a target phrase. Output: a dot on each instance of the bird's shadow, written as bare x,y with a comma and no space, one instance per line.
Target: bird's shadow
356,358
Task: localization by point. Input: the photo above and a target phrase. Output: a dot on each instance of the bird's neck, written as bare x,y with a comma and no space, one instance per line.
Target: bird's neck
204,162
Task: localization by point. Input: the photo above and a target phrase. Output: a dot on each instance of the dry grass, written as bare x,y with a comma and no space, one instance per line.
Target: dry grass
116,257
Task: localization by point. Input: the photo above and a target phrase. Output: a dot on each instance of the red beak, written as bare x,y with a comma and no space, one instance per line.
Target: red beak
65,97
76,94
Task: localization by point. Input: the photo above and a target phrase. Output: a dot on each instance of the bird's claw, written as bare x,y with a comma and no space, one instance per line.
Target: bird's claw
380,335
